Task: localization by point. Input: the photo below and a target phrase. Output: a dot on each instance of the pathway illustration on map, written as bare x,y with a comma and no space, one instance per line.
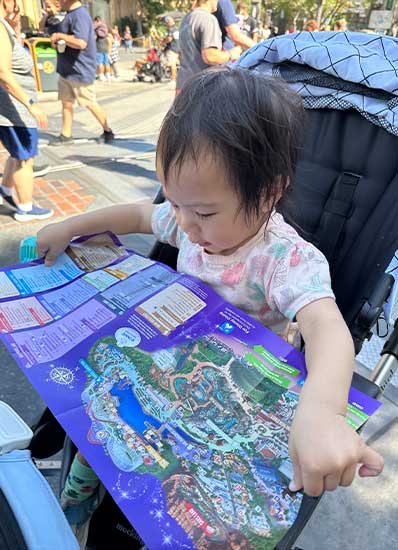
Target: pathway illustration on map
179,401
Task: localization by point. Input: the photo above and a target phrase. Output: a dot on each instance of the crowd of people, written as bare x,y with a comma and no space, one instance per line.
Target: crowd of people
213,33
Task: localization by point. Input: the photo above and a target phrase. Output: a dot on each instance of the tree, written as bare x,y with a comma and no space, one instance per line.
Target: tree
321,10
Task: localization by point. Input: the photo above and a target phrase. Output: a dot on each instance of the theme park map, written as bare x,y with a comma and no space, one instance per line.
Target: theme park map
179,401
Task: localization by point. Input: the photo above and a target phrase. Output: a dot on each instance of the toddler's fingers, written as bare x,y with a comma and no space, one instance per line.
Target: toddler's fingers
348,476
331,482
313,483
41,250
297,483
50,258
372,463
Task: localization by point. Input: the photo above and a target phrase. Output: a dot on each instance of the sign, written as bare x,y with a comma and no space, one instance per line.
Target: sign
380,19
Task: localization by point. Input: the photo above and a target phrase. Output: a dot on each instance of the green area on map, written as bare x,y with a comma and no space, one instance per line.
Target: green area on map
356,412
268,373
275,362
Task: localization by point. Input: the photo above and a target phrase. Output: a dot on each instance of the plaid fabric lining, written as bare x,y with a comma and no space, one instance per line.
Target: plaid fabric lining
335,70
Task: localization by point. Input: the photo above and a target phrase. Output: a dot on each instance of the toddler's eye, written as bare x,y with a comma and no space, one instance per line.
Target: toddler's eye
203,216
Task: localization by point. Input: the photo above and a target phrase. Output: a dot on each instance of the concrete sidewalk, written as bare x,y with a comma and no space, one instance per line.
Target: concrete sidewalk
87,176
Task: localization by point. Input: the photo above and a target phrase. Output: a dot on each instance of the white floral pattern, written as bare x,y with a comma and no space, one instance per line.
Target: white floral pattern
271,277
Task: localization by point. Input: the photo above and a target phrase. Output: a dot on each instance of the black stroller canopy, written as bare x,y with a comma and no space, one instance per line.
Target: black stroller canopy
345,195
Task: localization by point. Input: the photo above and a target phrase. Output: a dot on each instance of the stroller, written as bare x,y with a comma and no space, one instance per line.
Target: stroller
344,200
153,70
26,499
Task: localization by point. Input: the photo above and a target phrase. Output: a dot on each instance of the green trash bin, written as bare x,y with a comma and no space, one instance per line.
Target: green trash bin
46,62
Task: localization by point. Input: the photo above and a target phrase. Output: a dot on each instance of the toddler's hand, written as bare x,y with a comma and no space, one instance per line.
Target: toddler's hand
325,451
52,240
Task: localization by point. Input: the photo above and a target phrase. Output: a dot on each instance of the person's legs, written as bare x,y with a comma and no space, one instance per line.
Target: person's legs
67,118
67,96
107,66
99,114
22,144
21,178
101,71
7,174
115,69
100,66
173,71
7,184
80,497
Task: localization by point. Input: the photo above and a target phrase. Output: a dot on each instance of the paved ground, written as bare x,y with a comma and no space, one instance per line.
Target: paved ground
87,176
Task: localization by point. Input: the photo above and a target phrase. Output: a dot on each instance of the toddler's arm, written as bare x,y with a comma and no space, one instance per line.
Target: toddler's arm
122,219
324,449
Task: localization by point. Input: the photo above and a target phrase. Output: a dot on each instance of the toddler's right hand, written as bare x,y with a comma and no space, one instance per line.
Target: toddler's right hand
52,240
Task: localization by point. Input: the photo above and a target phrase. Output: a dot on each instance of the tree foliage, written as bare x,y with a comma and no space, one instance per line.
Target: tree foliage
323,11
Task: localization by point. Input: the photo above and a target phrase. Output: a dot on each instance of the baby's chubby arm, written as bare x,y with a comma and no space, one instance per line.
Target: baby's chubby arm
121,219
324,449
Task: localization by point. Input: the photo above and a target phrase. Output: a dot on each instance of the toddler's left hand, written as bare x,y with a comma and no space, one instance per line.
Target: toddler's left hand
325,451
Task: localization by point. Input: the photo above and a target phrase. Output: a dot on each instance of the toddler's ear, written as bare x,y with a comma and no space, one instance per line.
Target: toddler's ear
277,193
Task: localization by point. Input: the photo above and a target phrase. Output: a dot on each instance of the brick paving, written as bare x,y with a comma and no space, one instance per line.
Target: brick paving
65,197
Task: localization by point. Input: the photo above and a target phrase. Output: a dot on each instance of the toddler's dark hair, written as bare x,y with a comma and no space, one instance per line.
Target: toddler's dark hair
250,121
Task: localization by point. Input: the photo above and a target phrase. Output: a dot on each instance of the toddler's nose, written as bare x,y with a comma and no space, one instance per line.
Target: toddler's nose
186,222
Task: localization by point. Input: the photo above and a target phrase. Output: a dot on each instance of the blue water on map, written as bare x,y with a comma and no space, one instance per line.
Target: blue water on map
131,412
130,409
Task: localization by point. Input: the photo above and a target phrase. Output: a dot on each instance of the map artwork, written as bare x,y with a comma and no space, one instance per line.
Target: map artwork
179,401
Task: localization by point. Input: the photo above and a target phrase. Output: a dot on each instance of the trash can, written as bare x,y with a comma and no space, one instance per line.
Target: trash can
45,59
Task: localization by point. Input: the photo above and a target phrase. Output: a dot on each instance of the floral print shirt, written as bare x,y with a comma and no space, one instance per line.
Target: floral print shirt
271,277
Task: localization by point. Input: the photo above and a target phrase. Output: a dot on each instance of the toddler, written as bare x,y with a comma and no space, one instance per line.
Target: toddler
226,155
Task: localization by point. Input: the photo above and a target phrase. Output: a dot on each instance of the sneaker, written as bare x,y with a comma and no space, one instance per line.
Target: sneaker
102,78
106,137
8,198
36,213
41,170
61,140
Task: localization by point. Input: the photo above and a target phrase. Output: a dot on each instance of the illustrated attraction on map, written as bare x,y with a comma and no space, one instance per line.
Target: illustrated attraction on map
179,401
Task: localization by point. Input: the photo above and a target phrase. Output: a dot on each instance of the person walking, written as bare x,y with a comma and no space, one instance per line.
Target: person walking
128,39
102,43
19,117
113,52
171,49
201,43
76,66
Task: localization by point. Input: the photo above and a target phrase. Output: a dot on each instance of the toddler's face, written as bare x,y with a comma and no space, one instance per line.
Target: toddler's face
207,208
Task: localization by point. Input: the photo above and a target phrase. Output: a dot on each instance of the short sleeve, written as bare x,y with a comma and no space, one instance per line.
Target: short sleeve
164,224
228,15
301,276
81,27
210,34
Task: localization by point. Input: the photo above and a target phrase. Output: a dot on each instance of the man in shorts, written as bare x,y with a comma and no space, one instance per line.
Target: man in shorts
77,66
171,47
